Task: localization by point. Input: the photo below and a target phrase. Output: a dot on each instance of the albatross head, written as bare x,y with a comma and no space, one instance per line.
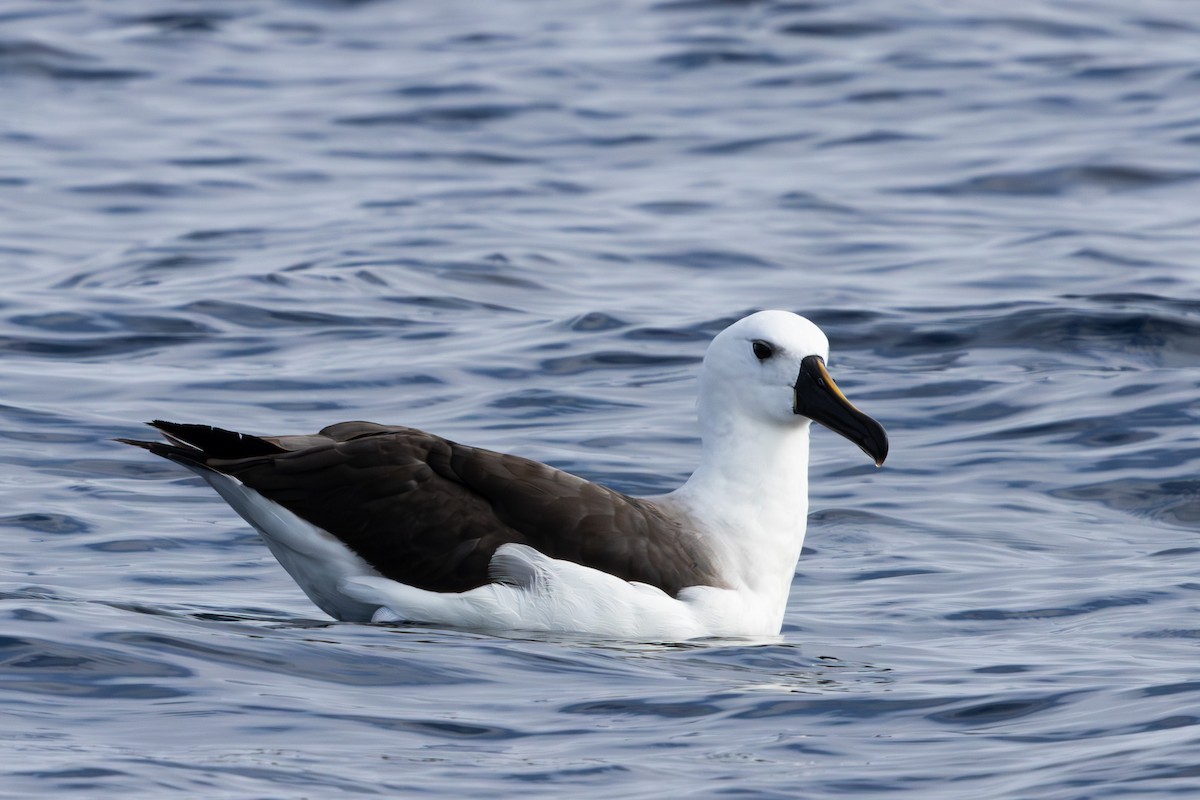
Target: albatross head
770,367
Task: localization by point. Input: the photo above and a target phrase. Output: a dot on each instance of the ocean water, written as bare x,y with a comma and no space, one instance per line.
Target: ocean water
517,224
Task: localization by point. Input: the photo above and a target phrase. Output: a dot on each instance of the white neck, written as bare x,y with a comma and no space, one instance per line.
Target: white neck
751,489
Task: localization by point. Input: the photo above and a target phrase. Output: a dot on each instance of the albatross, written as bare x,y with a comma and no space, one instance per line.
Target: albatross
392,524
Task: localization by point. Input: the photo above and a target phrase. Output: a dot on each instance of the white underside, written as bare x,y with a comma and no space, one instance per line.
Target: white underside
538,593
314,558
532,592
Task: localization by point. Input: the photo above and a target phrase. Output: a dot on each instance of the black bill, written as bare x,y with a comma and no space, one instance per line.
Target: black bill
820,399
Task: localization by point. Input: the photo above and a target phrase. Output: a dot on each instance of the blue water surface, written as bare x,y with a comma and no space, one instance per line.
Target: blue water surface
517,224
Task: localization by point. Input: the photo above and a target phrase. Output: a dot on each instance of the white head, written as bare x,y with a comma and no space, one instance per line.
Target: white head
752,365
768,369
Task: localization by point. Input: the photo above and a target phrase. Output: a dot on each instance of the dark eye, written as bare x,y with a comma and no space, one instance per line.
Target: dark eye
763,350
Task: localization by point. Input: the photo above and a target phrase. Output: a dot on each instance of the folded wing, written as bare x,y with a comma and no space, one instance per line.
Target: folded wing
431,513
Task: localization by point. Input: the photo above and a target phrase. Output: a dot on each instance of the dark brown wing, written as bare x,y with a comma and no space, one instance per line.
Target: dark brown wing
430,513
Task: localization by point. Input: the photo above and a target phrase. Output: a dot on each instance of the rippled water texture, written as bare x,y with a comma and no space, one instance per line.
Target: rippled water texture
517,224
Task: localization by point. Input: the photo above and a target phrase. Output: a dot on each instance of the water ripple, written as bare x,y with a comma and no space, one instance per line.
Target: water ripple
520,230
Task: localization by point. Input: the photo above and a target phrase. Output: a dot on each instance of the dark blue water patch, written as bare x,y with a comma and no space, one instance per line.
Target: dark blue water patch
1172,502
472,157
42,435
1163,25
719,56
1170,633
1037,26
1110,73
871,138
1155,458
449,118
141,469
186,22
612,359
994,712
620,140
262,386
710,260
35,59
932,60
41,666
175,262
1152,726
1166,724
205,777
298,31
145,545
1148,303
35,419
842,708
948,388
1096,254
37,593
836,29
1094,432
443,89
1175,552
147,189
580,776
146,271
806,79
737,146
595,322
447,302
1133,390
75,774
434,728
1143,336
719,5
1167,772
639,707
1003,669
678,335
884,574
1185,687
228,81
95,347
242,615
833,517
494,270
674,208
83,322
1056,181
180,580
248,315
237,239
562,187
1087,607
216,162
981,412
474,40
499,194
31,615
46,522
891,95
303,658
784,658
126,209
538,403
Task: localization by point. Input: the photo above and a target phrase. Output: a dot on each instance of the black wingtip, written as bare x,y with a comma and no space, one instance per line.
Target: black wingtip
202,442
135,442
